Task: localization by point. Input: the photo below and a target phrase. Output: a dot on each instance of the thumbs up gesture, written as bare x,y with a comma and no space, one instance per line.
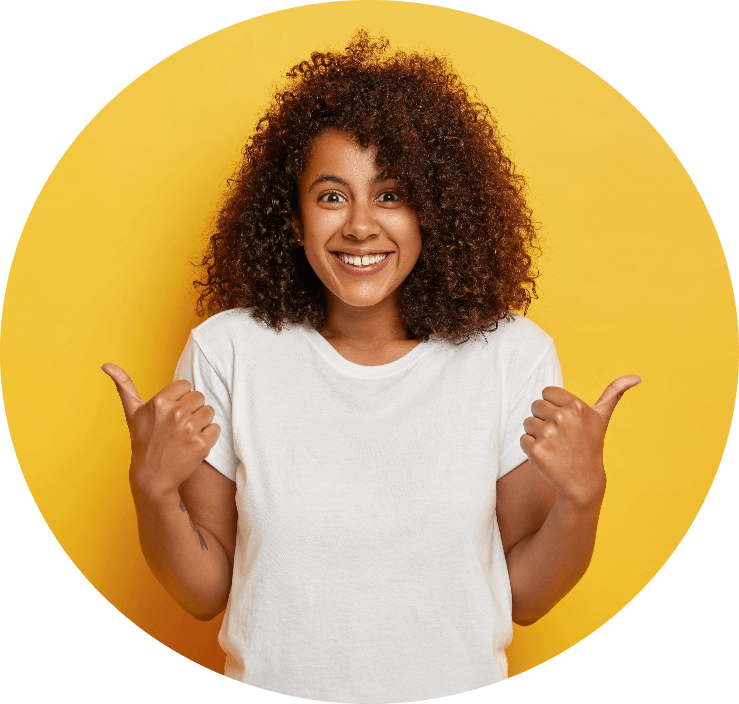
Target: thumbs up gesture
171,434
564,438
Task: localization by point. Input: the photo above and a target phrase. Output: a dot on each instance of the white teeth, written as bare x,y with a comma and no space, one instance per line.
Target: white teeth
366,260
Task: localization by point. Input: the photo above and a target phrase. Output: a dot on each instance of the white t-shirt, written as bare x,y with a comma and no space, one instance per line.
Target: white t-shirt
369,566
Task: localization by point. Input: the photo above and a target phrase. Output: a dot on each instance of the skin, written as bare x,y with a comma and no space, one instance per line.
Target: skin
547,508
347,205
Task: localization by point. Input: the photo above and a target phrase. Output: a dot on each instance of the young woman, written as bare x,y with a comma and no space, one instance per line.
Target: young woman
367,457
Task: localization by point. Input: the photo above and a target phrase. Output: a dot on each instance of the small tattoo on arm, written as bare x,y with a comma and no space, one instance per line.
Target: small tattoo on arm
203,544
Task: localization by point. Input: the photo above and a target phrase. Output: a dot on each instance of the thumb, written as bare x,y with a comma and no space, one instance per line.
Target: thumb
612,395
126,390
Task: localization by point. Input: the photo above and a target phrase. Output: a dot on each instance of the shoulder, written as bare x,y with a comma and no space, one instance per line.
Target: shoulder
514,337
519,346
521,334
515,348
225,329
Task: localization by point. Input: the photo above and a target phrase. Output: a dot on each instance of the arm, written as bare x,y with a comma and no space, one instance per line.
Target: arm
548,507
189,551
548,541
188,538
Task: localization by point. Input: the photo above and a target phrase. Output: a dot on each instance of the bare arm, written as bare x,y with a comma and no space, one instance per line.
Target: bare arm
548,541
548,507
185,508
188,539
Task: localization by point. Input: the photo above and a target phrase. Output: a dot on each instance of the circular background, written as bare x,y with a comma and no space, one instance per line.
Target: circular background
634,280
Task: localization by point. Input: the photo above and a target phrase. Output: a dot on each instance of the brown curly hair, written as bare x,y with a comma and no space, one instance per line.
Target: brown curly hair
430,133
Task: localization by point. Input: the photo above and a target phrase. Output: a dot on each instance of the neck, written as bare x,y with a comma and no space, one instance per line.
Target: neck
364,327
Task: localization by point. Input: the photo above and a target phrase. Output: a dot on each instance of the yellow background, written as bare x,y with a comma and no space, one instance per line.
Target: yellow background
634,280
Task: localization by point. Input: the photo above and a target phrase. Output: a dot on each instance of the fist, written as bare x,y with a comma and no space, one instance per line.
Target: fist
564,439
171,434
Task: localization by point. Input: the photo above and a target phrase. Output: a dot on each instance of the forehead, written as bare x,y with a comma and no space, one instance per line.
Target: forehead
335,152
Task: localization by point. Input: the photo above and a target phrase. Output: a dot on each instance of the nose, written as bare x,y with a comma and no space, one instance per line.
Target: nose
361,222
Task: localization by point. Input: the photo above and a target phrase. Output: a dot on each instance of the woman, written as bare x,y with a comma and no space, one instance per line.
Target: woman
340,461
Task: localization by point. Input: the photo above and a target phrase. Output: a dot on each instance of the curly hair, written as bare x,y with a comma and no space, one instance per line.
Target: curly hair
433,135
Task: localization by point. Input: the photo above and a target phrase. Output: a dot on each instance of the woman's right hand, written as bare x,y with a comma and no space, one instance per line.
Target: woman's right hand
171,434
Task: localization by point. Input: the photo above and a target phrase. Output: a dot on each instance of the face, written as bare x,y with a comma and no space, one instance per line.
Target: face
361,238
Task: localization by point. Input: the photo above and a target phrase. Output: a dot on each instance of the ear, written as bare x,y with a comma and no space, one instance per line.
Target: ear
298,229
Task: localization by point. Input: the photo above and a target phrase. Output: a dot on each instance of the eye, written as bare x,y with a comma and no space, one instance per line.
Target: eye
389,197
332,197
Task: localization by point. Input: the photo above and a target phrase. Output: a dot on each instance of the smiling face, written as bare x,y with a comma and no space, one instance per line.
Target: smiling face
360,237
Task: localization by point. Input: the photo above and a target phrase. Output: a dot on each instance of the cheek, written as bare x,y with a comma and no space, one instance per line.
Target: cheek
404,227
320,223
412,240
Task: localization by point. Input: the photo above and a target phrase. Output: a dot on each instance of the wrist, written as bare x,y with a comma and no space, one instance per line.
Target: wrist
147,486
585,495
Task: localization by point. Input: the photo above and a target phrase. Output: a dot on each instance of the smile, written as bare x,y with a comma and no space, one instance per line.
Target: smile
362,265
361,261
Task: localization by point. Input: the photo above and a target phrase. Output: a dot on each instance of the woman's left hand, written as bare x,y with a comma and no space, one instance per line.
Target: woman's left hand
564,439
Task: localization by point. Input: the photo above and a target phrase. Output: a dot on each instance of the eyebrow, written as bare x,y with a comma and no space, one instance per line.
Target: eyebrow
337,179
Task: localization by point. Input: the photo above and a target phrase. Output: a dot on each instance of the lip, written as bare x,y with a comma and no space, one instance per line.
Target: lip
362,270
361,252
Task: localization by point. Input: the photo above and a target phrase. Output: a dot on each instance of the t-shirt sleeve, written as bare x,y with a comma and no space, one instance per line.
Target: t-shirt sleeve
195,367
547,373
